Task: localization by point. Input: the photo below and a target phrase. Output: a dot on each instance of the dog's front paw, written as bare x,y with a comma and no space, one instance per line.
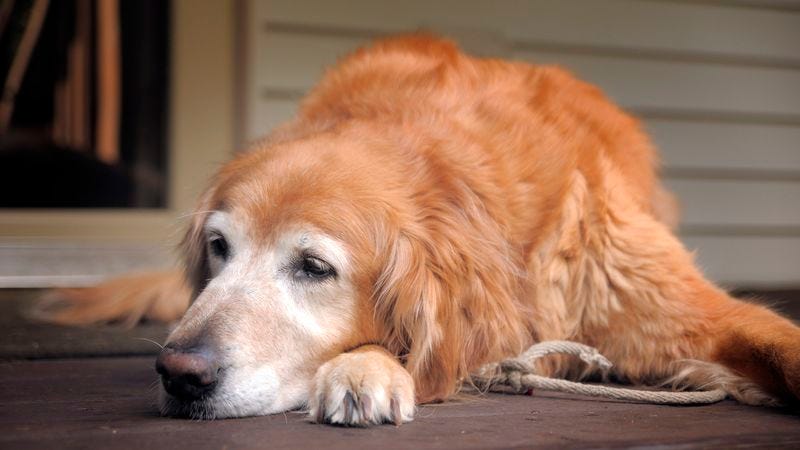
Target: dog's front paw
363,387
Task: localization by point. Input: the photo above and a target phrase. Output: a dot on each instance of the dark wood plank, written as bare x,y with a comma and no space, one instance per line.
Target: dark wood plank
23,339
110,403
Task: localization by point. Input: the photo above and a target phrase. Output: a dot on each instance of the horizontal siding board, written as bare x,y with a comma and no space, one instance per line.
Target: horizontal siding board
748,261
737,203
630,24
709,145
651,84
269,114
63,265
778,5
296,62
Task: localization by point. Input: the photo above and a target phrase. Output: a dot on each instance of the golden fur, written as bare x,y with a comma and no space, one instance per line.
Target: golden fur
488,205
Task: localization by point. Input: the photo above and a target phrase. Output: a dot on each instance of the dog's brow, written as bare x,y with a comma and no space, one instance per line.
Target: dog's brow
217,220
333,250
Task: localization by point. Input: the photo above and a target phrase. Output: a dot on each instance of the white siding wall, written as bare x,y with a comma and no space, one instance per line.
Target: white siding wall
717,84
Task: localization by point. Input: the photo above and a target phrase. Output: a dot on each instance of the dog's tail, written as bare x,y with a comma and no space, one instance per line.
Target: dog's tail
157,296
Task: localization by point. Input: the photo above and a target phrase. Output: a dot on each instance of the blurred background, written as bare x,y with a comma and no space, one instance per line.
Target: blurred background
115,112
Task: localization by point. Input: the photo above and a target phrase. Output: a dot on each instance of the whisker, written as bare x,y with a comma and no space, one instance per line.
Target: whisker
151,341
154,385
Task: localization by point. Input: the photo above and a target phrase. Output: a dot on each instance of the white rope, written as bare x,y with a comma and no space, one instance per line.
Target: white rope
518,373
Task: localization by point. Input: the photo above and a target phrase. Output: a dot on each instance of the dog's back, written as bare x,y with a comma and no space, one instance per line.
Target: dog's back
506,112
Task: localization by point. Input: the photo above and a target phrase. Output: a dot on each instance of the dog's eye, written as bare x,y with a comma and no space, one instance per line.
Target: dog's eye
218,246
315,268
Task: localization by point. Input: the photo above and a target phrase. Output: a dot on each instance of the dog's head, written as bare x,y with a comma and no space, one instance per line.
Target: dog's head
310,247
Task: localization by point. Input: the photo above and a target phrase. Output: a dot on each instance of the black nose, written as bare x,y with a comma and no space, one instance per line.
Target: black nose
188,374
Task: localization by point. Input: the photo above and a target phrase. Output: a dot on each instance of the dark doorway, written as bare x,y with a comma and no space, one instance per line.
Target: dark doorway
83,121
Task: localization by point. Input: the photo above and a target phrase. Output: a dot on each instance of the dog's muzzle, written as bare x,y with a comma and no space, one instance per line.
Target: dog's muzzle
188,373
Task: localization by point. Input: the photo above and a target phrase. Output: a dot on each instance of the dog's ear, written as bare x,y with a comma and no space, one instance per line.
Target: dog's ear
408,301
194,248
448,302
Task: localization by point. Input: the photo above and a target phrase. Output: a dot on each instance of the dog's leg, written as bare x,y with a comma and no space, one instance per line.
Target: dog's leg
755,353
657,311
158,296
362,387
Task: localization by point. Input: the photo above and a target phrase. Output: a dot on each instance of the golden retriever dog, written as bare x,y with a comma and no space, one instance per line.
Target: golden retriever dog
426,213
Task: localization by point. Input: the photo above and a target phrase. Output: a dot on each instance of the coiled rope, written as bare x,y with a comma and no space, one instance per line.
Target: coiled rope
519,374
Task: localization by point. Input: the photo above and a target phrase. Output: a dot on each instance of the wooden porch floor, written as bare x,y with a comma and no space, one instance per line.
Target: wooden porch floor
108,401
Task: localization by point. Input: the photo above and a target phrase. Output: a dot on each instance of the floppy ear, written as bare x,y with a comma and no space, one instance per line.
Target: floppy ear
447,298
193,246
408,301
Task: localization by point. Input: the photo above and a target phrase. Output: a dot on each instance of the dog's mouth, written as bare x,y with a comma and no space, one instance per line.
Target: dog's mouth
186,396
236,393
199,408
